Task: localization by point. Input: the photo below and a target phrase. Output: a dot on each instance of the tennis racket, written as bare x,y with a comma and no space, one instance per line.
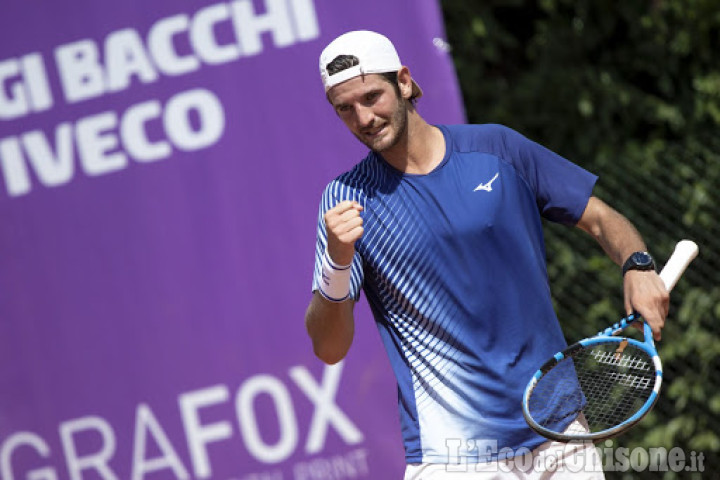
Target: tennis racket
607,382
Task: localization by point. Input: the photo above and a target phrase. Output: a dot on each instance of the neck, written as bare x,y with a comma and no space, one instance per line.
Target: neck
420,150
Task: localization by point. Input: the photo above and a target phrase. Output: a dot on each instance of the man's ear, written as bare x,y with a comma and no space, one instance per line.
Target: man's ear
405,82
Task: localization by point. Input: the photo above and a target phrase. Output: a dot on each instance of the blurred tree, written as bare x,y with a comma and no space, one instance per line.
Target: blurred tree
631,91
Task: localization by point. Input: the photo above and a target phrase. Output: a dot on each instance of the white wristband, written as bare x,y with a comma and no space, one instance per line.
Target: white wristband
335,281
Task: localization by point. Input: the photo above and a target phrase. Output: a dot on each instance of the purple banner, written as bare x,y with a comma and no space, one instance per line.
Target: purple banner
161,165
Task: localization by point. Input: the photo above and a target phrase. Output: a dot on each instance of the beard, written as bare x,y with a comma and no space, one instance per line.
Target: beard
397,129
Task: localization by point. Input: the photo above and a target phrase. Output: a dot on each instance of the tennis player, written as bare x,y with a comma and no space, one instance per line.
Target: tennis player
441,227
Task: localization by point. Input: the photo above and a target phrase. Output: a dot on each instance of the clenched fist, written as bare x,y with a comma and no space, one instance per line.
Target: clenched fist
344,227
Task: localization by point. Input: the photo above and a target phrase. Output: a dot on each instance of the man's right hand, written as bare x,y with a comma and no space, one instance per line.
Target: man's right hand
344,227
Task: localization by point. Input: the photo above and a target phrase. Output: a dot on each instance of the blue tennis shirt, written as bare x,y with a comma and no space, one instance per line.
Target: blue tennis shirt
453,266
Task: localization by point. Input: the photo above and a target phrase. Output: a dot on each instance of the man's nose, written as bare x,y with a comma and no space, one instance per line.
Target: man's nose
364,115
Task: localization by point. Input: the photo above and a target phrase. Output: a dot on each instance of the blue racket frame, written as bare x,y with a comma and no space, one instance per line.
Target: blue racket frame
609,335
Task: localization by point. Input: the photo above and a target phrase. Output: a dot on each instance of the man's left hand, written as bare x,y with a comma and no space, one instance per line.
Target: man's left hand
645,294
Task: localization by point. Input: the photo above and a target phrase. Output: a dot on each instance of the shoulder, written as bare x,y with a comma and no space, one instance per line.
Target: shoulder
484,138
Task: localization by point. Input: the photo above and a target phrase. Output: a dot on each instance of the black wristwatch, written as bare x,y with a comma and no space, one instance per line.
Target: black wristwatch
638,261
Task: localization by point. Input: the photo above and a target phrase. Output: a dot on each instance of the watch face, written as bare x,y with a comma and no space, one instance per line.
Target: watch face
642,259
638,261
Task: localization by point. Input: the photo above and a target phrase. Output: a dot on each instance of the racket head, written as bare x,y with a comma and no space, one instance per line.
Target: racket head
611,383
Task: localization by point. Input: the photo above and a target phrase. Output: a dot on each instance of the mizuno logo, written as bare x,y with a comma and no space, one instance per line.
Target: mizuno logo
487,186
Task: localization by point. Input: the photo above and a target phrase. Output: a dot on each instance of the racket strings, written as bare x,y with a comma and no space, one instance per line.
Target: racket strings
607,382
616,384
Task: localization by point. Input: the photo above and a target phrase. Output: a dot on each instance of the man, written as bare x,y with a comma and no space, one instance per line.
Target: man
441,228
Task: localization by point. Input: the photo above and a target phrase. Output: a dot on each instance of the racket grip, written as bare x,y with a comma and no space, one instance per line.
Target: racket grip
684,253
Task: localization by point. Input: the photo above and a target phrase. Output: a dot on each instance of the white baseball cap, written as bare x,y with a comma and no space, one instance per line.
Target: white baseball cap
375,52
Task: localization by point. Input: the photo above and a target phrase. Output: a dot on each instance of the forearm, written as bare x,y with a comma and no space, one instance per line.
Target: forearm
644,291
331,327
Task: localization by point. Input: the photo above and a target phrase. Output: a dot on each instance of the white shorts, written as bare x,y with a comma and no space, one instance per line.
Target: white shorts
551,460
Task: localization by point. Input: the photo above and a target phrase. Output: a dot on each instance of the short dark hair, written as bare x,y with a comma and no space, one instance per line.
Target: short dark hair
340,63
343,62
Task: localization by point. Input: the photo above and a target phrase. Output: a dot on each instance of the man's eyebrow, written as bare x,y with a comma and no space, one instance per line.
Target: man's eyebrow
370,90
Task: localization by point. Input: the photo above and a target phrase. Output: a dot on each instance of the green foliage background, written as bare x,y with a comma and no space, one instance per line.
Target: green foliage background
631,91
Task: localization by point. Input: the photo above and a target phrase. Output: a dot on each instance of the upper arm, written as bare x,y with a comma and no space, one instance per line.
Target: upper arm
615,233
591,218
599,219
